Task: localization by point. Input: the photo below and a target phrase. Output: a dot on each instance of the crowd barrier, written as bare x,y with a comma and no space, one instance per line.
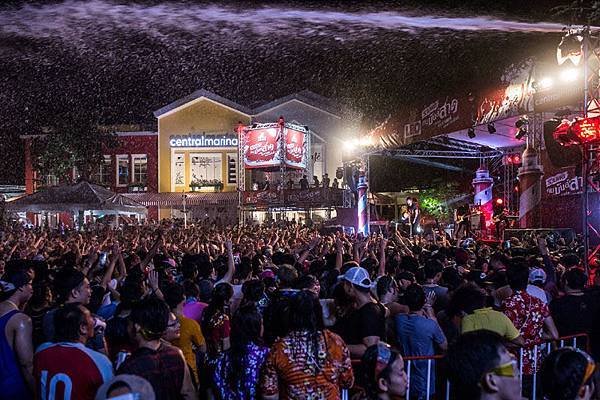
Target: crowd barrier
545,347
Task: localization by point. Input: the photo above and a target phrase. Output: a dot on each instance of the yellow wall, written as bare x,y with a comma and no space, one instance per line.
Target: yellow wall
198,116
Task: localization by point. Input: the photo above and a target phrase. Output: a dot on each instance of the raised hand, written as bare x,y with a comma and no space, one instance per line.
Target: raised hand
153,279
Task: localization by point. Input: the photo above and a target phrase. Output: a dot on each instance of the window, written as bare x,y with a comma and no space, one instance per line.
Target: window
122,170
49,180
178,169
317,161
140,168
103,174
206,166
232,162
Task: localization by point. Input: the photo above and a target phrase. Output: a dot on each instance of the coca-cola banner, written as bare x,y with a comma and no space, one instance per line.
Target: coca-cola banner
295,152
261,148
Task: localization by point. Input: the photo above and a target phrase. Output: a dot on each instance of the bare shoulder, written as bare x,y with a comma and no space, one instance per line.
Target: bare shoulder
20,321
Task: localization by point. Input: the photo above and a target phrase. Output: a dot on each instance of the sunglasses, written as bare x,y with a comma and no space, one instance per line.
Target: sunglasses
508,370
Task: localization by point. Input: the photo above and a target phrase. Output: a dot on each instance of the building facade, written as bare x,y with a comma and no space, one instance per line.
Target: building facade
190,164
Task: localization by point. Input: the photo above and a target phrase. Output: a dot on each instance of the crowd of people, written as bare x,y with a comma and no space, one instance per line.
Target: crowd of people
156,311
302,184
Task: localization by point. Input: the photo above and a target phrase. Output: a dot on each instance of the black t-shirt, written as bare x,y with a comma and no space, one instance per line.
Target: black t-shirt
369,320
574,314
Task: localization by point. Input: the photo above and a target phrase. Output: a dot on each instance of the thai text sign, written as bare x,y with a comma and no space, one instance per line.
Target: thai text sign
563,183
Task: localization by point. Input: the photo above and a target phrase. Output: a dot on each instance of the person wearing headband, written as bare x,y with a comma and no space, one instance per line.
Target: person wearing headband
383,373
16,346
567,374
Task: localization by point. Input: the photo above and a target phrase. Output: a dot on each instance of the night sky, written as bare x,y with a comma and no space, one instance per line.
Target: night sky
116,62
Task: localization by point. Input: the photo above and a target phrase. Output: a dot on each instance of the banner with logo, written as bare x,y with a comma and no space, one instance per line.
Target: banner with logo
295,149
456,112
261,148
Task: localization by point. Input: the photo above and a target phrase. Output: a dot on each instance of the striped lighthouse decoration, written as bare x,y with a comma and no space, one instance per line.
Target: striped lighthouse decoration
482,186
363,205
530,189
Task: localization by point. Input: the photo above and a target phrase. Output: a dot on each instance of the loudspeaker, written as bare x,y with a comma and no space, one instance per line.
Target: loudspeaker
560,156
349,178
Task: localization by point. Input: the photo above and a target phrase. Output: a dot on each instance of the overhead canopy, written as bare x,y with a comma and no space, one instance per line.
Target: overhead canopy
81,196
493,110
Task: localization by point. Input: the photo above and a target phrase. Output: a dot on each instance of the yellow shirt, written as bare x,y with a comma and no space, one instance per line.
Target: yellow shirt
491,320
191,337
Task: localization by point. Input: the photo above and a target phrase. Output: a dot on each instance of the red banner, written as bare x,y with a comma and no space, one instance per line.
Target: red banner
314,197
261,148
294,149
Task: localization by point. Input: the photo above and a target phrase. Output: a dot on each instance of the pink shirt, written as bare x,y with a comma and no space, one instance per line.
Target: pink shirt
193,310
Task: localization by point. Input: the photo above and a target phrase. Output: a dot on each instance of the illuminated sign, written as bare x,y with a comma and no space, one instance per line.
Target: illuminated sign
587,129
578,131
262,147
203,141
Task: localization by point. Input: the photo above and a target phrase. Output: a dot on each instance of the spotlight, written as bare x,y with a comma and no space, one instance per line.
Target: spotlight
546,82
491,128
499,201
521,122
569,74
471,132
349,145
543,83
521,134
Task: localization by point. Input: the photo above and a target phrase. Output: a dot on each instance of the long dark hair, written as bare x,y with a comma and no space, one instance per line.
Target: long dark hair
245,330
305,317
220,297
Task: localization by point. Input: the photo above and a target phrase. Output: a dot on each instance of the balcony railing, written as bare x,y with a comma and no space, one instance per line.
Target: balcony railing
313,197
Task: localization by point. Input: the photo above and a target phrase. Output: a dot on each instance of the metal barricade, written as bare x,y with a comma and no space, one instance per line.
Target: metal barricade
542,347
410,360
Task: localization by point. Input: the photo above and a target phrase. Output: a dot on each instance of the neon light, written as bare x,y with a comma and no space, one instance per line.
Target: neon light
203,141
587,129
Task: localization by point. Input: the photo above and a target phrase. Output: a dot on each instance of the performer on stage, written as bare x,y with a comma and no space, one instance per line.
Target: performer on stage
415,215
500,220
462,224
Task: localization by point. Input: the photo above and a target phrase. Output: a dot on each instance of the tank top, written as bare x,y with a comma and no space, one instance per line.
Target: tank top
11,380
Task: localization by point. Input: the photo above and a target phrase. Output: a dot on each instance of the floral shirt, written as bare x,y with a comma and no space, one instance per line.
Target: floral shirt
527,314
250,367
292,370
